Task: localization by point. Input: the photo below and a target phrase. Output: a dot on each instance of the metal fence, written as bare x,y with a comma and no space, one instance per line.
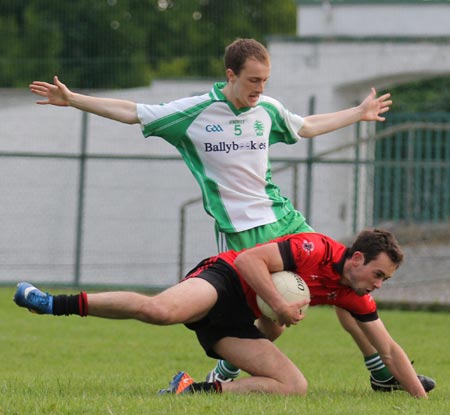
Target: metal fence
136,220
415,186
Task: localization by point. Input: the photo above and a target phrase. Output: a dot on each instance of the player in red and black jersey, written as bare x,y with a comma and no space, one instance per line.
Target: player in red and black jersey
218,301
319,260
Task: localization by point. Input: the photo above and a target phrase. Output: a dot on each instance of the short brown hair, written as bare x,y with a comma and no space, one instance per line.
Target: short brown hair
373,242
240,50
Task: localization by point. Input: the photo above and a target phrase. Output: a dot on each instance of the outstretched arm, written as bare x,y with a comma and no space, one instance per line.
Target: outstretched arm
393,357
371,109
58,94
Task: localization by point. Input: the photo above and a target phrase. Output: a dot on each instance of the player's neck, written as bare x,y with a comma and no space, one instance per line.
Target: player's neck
228,92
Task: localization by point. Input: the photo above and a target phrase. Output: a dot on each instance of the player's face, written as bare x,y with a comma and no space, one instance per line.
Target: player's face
364,278
246,88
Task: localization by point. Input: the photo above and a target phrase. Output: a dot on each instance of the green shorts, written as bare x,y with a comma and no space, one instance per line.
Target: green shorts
293,222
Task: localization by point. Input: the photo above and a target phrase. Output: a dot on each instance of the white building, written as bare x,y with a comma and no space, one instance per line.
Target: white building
341,50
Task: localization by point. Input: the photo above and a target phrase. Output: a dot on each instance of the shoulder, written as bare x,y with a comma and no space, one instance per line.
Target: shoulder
283,118
315,249
363,308
271,103
184,106
179,104
313,240
309,243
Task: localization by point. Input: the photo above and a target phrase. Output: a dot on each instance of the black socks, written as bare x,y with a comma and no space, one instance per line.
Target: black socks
65,305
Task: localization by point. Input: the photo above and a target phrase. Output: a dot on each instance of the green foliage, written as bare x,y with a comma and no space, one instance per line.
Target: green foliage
72,365
117,44
429,95
198,30
9,51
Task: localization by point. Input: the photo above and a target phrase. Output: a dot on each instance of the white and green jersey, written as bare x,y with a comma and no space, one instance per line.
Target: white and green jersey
227,150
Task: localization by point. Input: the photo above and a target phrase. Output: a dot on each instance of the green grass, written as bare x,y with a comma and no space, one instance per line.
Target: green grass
69,365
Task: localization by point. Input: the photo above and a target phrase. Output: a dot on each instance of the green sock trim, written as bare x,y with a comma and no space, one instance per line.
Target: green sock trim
227,370
377,368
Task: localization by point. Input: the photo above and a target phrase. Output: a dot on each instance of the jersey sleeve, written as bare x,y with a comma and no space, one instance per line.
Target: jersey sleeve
364,318
171,120
286,255
285,124
304,251
362,308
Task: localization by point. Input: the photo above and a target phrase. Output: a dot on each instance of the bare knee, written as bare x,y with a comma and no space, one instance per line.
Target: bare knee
298,386
293,382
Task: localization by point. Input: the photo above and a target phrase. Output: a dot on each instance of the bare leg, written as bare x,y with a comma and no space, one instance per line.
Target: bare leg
271,371
182,303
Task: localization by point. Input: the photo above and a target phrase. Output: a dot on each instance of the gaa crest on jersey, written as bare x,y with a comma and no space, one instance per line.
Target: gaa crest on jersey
259,128
214,128
308,247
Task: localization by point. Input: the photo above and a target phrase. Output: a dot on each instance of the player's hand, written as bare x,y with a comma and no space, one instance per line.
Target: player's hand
56,93
372,107
291,314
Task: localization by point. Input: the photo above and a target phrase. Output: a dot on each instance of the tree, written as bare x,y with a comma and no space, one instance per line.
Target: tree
100,46
199,30
429,95
120,43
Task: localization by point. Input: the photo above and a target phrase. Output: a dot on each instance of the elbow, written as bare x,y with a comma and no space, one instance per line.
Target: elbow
306,133
307,130
130,119
129,114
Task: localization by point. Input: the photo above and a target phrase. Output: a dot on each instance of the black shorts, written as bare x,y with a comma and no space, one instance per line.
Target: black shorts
230,316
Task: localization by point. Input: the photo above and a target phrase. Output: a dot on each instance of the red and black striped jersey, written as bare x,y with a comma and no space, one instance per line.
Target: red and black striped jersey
319,260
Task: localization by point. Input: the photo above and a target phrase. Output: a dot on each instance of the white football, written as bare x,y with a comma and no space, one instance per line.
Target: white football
291,287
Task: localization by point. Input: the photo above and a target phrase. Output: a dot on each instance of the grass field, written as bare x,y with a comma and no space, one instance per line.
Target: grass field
69,365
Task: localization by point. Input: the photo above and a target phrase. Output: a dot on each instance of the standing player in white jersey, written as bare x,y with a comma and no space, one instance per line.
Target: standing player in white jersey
224,138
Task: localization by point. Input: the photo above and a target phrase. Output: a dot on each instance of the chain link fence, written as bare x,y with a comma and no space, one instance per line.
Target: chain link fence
77,216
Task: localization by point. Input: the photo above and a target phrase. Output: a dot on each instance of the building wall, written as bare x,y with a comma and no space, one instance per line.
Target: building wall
133,208
343,48
418,19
